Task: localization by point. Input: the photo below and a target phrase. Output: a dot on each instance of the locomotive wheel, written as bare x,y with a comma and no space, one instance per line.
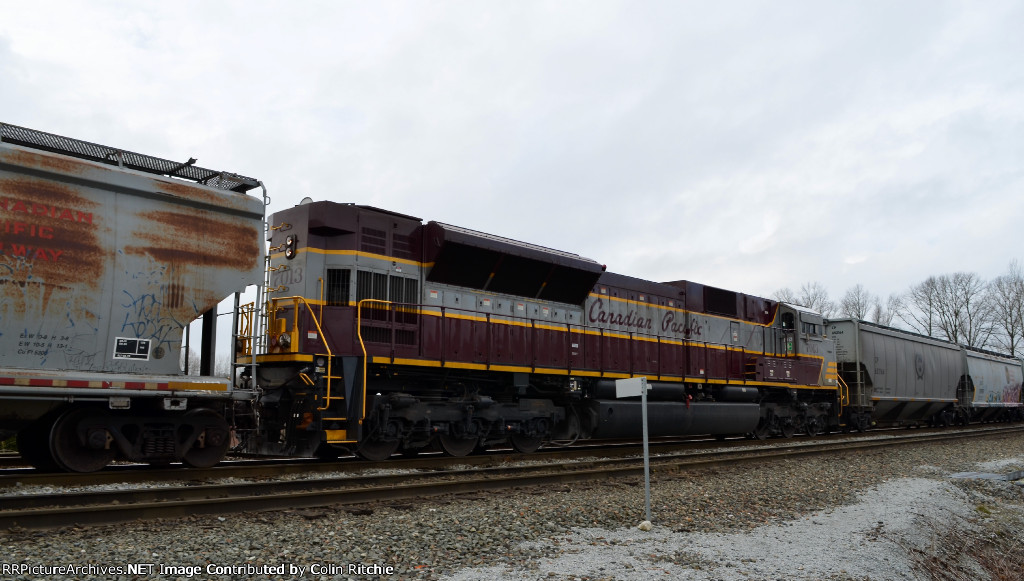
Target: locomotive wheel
456,446
788,429
823,424
376,450
70,452
326,451
763,430
525,444
213,441
811,426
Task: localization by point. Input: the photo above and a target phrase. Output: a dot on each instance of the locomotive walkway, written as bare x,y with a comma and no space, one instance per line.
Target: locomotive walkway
396,481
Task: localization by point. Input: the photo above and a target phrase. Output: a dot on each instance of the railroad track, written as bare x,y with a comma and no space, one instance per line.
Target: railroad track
255,468
390,484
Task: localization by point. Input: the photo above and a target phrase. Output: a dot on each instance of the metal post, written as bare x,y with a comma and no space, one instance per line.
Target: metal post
209,342
647,456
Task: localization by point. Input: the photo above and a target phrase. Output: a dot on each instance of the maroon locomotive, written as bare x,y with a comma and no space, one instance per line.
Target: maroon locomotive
386,334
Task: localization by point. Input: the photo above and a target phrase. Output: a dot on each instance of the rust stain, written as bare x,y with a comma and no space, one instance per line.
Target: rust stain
55,228
53,163
221,198
193,238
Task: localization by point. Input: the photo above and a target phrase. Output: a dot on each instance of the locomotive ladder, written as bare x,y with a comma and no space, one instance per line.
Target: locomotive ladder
328,401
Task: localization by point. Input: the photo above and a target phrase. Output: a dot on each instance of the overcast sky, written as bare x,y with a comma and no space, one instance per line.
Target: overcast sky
747,145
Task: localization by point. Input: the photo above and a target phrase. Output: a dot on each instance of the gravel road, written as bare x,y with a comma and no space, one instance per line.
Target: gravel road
887,514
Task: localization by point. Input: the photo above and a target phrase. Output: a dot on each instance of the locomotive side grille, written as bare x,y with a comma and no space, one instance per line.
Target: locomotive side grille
337,291
401,246
373,240
372,285
375,334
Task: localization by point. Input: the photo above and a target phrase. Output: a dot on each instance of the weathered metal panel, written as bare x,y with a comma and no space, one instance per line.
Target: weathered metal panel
101,268
996,380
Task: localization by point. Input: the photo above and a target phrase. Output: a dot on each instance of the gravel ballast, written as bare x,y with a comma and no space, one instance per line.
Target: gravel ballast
886,514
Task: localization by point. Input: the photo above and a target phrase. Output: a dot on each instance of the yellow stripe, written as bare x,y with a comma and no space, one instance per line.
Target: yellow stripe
280,255
337,436
581,372
279,358
677,309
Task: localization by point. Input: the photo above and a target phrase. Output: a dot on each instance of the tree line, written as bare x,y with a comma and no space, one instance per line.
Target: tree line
960,307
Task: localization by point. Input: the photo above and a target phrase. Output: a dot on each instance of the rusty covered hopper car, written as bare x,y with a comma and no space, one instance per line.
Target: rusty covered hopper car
105,257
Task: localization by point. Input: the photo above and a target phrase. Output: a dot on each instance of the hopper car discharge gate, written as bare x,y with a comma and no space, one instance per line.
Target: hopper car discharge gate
106,256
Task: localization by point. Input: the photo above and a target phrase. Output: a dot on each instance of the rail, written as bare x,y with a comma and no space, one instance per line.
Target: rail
124,504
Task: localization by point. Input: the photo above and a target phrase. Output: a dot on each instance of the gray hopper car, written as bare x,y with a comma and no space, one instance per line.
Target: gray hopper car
104,260
897,377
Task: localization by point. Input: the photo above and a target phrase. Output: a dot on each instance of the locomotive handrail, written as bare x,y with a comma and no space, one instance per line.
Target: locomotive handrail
362,344
844,392
330,354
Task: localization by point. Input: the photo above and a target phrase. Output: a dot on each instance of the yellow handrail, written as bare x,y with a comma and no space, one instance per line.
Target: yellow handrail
243,338
362,345
295,323
844,392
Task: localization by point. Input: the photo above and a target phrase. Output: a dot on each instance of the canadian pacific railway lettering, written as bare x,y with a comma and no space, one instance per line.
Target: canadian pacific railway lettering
30,252
54,212
18,230
598,314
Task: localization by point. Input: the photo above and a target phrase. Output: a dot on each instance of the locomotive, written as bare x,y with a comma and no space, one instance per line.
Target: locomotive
389,334
378,333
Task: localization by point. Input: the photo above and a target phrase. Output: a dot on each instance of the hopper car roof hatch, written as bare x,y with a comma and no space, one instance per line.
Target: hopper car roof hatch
127,159
464,257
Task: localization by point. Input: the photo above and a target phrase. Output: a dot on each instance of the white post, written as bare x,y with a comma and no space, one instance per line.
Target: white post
647,456
631,388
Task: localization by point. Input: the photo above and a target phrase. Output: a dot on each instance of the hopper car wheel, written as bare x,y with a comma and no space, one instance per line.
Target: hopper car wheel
377,450
788,429
525,444
213,441
457,446
80,442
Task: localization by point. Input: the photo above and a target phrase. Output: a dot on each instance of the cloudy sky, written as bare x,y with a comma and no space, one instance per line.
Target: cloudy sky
747,145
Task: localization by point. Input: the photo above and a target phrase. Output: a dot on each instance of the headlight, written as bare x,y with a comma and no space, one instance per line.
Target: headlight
284,340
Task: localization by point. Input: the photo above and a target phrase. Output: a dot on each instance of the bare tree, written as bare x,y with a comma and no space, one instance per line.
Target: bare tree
189,358
858,303
785,295
1006,299
884,315
965,314
813,295
917,307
